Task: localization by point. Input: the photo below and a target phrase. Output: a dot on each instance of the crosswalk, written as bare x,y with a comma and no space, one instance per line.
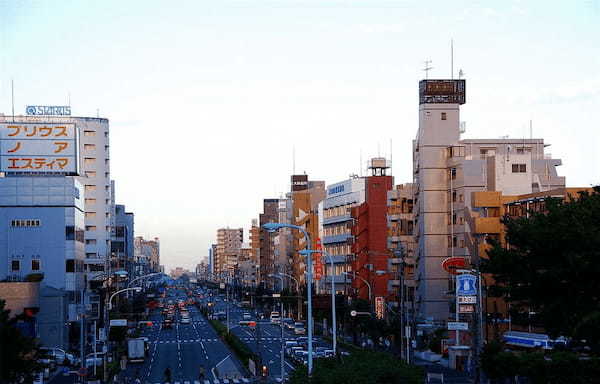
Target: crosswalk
182,341
242,380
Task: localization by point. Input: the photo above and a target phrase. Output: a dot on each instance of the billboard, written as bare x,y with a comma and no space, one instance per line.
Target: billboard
379,307
27,148
318,264
442,91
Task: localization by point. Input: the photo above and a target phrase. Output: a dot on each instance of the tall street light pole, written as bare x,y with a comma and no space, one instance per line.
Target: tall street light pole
275,227
297,293
281,326
355,276
333,309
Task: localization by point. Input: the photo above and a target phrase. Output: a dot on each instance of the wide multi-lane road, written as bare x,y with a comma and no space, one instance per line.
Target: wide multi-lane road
192,352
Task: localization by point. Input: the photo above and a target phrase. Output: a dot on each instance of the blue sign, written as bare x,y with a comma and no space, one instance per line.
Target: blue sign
336,189
48,110
466,285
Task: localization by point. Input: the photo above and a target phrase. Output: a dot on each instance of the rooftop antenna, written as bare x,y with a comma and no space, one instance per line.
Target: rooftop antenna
452,59
293,160
427,68
461,74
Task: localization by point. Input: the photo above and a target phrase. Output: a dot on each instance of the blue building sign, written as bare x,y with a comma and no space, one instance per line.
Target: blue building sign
48,110
466,285
336,189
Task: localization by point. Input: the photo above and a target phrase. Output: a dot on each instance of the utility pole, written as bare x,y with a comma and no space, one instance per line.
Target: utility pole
82,333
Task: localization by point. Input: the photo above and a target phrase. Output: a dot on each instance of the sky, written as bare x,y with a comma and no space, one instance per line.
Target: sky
208,100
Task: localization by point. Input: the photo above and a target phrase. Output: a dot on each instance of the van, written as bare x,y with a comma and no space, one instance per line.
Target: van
299,328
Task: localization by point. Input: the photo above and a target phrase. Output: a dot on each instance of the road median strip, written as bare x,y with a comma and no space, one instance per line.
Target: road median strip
242,352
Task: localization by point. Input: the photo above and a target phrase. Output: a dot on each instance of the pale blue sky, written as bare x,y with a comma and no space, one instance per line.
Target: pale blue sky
207,98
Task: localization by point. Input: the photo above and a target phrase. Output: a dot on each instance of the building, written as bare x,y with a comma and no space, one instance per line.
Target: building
229,243
212,252
283,240
122,242
484,217
267,251
447,170
43,220
305,198
146,255
336,222
370,248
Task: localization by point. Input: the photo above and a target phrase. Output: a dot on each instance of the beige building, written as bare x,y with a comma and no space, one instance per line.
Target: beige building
447,170
229,244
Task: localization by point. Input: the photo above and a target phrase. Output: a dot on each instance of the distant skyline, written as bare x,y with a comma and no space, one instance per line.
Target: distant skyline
205,97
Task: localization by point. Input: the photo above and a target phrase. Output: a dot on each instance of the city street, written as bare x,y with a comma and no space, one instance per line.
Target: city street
184,349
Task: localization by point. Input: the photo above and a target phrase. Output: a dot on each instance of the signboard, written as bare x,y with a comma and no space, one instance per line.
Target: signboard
277,295
467,299
442,91
466,285
39,148
466,308
457,326
48,110
118,323
318,264
379,307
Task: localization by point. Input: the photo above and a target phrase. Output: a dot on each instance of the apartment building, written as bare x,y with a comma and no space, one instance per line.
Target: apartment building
146,255
306,195
447,170
122,242
267,250
229,243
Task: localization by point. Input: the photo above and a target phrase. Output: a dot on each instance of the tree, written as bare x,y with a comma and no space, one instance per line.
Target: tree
364,367
552,266
18,354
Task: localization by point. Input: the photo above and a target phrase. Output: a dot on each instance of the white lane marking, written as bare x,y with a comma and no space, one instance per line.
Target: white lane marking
290,365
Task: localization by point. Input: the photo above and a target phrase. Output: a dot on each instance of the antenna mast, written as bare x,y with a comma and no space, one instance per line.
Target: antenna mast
427,68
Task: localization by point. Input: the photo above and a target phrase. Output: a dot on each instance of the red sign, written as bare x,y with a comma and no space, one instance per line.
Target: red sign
452,264
317,261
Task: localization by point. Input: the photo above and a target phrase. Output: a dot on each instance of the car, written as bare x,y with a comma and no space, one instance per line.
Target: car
185,320
59,356
288,323
246,316
275,317
299,328
167,323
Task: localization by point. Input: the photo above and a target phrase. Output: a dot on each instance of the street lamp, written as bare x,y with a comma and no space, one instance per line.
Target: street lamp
281,324
136,289
141,277
355,276
308,253
271,227
297,293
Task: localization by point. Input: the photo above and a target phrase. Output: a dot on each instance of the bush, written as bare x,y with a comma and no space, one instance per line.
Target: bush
239,348
364,367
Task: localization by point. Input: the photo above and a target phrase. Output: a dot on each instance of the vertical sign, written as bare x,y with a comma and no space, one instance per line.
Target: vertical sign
466,291
39,148
317,261
379,307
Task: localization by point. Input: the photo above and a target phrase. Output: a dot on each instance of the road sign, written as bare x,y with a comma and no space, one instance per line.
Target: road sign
466,285
467,299
457,326
466,308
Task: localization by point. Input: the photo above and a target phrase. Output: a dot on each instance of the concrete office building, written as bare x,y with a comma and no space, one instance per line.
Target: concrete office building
146,255
267,250
122,243
229,243
211,258
447,170
336,221
95,177
43,220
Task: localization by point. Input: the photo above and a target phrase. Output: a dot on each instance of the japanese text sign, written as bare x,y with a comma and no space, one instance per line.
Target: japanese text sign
38,148
318,265
379,307
466,285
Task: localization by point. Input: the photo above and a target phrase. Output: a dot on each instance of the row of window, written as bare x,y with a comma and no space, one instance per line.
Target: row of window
453,241
73,233
15,265
90,133
339,249
519,168
92,201
337,211
93,174
25,223
338,229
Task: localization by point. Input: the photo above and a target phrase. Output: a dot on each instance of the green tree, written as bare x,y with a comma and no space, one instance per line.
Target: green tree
364,367
18,354
552,266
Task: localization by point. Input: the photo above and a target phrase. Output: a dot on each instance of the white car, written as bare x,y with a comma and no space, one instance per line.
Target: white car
185,320
59,356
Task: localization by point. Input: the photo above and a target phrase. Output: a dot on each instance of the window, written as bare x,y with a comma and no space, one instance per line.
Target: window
89,160
90,241
519,168
90,173
35,265
25,223
443,115
15,265
89,147
89,133
90,188
70,265
453,173
91,255
90,227
454,196
90,215
90,201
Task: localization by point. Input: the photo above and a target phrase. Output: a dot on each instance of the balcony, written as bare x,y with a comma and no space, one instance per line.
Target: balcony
336,219
337,279
337,238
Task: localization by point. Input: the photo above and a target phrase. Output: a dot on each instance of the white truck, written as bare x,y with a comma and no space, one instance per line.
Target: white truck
136,350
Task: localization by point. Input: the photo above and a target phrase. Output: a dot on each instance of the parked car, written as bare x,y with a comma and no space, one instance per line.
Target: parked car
275,317
58,355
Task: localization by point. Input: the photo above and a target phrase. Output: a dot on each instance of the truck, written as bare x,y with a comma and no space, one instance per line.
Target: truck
136,350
